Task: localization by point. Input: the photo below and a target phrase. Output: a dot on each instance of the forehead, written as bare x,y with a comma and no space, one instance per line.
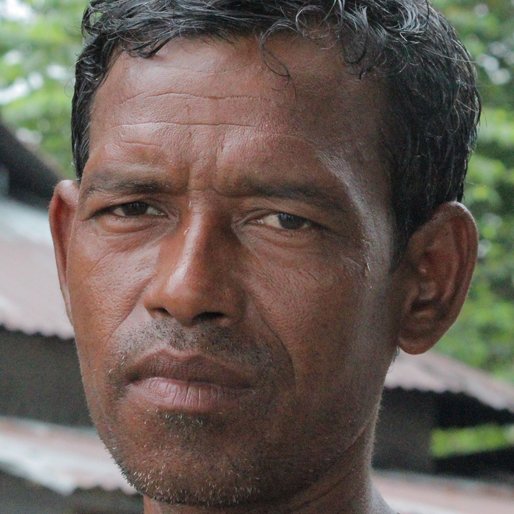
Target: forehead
293,81
287,70
293,101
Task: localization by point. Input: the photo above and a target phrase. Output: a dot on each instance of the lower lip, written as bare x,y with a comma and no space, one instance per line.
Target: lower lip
189,397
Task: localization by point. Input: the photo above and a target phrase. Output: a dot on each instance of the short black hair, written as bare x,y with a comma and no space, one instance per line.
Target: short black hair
434,104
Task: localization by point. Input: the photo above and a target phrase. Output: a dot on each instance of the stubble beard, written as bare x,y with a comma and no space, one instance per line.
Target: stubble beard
185,470
207,478
212,460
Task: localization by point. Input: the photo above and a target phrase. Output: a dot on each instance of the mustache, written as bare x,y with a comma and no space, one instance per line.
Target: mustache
224,344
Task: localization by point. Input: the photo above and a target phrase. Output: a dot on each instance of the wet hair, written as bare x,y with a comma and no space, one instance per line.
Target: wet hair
433,102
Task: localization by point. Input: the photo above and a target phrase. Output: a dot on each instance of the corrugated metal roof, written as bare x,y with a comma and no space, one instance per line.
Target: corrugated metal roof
436,373
410,493
30,299
60,458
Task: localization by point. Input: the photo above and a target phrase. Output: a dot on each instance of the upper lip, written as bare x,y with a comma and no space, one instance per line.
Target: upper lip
187,368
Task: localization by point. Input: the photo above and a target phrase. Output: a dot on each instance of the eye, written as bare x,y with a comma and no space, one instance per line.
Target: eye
285,221
133,209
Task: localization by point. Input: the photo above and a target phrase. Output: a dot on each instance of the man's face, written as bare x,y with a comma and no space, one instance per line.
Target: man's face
229,268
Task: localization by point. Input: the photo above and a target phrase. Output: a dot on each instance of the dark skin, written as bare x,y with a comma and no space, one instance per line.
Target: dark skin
236,226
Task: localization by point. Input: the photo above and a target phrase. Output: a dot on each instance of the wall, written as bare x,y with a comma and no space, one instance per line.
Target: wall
404,431
40,379
18,496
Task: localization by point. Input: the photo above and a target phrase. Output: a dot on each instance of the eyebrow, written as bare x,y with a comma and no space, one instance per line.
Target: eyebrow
312,194
108,184
307,193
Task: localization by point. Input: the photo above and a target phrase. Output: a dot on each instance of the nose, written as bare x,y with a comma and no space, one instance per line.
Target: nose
194,280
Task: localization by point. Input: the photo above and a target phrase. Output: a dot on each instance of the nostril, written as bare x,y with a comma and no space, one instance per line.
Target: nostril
188,318
208,316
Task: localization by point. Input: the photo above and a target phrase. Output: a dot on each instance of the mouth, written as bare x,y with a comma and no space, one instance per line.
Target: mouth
186,383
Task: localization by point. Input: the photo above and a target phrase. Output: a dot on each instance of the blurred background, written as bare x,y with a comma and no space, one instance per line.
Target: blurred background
39,42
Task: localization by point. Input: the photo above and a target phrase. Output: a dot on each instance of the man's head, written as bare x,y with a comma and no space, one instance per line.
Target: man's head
262,218
407,47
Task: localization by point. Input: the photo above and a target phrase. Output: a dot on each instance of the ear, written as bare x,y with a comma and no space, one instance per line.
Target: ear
62,214
436,271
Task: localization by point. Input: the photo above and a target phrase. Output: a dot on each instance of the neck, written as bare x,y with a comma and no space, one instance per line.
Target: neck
346,489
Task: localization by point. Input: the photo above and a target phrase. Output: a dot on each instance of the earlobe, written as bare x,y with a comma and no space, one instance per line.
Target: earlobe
436,271
62,214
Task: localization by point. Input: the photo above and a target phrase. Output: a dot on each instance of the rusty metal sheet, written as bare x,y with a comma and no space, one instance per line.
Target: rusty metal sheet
410,493
60,458
436,373
30,299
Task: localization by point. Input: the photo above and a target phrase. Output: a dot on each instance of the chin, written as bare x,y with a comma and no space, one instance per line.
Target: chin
221,486
192,460
195,490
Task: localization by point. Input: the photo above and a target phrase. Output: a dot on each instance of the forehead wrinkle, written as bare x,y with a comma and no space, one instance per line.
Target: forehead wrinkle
188,94
139,143
270,138
150,71
117,149
236,110
185,124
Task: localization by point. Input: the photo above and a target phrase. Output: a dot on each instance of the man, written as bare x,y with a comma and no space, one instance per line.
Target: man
267,209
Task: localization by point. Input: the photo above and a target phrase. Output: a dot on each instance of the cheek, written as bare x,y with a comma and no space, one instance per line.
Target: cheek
105,285
326,316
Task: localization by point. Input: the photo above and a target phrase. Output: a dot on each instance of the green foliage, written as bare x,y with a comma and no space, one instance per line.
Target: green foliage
484,334
470,440
36,58
37,55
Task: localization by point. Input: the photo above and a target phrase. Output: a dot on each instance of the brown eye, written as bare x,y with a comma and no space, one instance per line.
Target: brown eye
132,209
285,221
